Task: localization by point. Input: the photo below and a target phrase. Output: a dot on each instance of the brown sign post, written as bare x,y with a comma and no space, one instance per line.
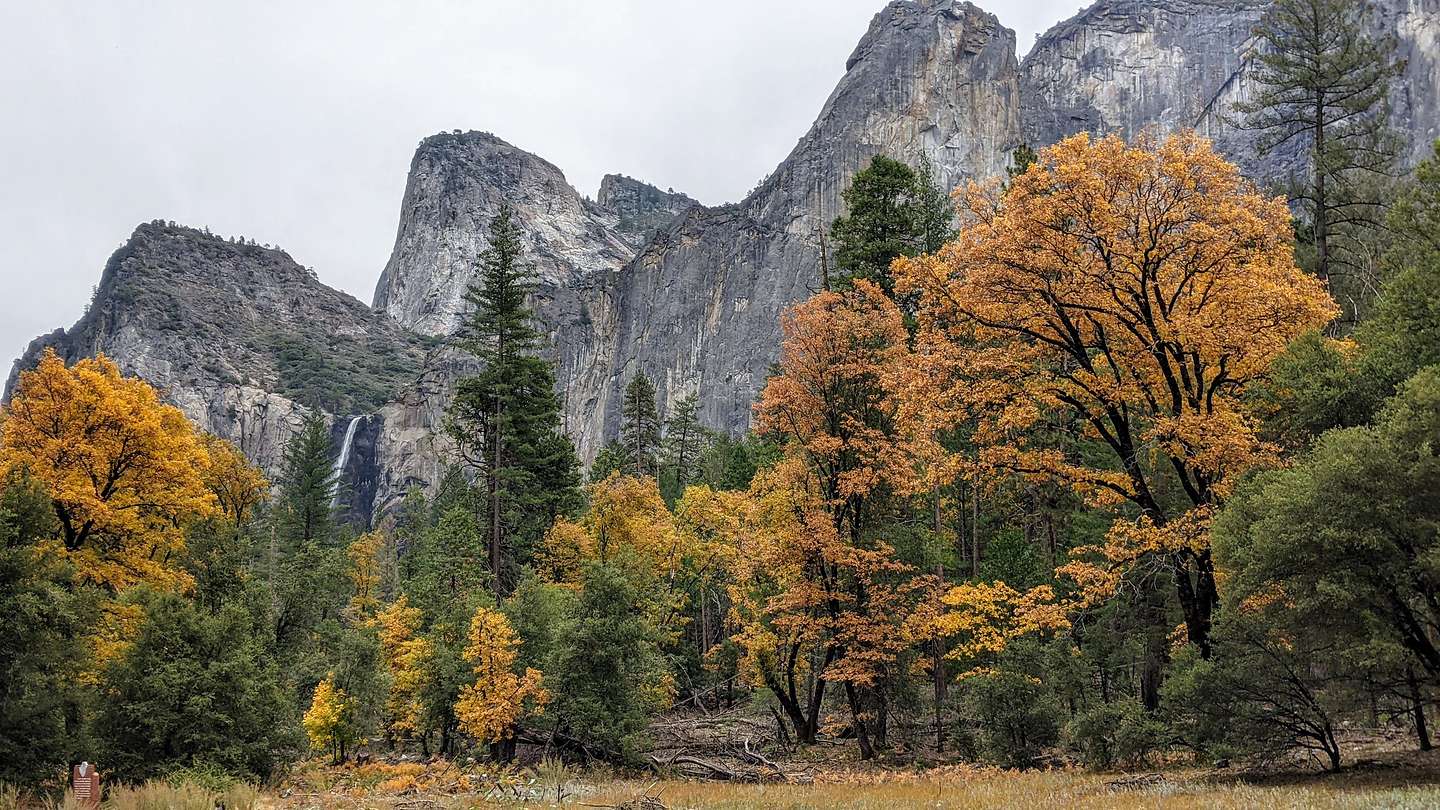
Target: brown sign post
85,781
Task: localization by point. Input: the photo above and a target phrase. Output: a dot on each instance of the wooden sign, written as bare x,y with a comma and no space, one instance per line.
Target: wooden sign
85,782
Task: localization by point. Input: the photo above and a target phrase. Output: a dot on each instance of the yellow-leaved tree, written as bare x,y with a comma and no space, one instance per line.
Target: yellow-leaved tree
1133,291
406,654
365,573
490,708
328,720
629,525
238,485
125,472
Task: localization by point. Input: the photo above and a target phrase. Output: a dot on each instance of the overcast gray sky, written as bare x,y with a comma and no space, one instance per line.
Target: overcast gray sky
292,122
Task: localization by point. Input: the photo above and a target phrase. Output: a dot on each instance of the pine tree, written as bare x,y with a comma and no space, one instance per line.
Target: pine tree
611,458
880,223
1021,159
640,433
892,211
1323,88
934,214
307,486
685,441
506,419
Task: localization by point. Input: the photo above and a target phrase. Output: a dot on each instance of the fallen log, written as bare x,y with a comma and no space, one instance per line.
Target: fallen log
708,769
756,758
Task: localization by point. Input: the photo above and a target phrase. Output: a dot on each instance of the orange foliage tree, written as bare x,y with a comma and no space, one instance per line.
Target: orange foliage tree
1136,290
817,593
830,400
124,471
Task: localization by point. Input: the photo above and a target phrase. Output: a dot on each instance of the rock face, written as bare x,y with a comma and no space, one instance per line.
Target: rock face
1129,64
696,305
1126,65
244,340
643,210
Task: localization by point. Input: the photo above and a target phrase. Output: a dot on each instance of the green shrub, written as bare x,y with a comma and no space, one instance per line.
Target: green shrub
1115,733
1013,717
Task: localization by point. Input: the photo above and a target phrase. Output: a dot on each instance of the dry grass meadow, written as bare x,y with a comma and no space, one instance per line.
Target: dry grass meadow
1410,783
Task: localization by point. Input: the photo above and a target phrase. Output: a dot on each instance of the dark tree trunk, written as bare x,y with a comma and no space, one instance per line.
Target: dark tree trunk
1422,731
857,712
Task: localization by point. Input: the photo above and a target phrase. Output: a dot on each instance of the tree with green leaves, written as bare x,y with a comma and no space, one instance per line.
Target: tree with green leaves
684,443
607,677
1319,384
41,700
934,214
1348,533
1323,81
1021,159
611,458
307,486
303,554
891,210
195,687
640,428
506,420
730,464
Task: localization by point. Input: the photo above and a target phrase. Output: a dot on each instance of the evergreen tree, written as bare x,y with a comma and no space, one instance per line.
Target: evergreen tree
506,419
640,432
1021,159
1323,86
40,662
881,222
444,567
194,687
607,677
307,487
685,442
934,215
611,458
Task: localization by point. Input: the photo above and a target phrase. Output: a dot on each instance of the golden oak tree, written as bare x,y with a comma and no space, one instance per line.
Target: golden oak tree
238,485
980,619
406,655
628,524
124,471
328,720
490,708
1135,289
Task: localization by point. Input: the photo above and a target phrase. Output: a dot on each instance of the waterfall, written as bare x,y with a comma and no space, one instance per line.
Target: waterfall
337,474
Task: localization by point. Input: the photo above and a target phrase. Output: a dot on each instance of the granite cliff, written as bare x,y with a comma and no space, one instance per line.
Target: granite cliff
649,281
1128,65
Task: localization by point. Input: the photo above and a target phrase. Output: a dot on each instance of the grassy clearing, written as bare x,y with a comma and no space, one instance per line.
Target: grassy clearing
1033,791
154,795
949,787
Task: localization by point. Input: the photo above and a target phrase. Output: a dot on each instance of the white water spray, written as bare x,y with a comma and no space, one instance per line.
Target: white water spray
344,458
